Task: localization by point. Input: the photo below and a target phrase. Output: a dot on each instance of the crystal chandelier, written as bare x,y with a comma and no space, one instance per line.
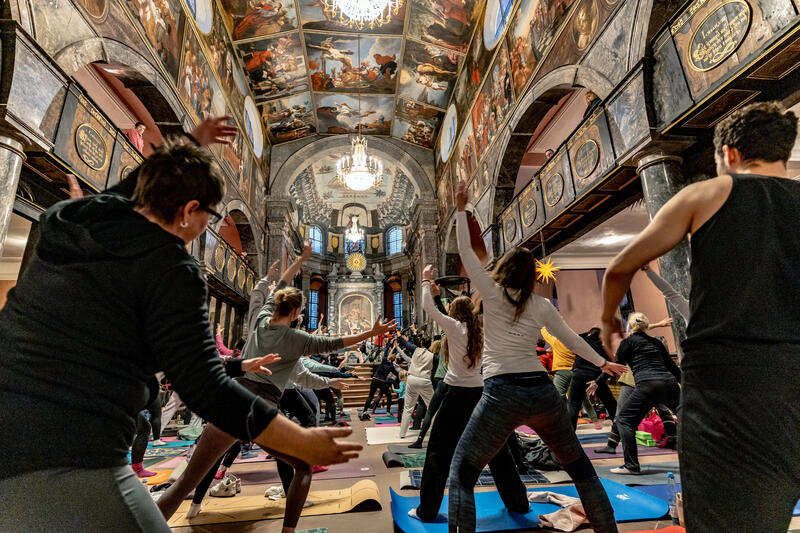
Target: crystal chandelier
361,13
357,170
354,233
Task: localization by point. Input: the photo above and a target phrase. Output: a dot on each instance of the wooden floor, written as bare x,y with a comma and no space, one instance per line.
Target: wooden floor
380,521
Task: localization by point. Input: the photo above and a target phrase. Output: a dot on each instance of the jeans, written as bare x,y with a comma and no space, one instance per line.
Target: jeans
416,387
577,394
642,399
76,500
454,414
439,392
739,432
509,401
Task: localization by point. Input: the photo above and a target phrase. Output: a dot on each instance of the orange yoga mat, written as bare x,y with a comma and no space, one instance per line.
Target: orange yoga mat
670,529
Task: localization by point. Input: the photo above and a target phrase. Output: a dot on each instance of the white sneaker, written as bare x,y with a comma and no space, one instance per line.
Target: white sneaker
307,503
194,510
623,470
236,481
224,489
413,513
159,442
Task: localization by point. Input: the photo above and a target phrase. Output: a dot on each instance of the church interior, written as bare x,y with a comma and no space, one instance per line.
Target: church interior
349,137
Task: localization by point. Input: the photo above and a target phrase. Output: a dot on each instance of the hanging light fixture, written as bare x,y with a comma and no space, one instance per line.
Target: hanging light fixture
362,13
357,170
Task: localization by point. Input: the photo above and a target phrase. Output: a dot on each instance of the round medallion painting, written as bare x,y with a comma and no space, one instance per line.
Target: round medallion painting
252,121
495,20
449,125
202,13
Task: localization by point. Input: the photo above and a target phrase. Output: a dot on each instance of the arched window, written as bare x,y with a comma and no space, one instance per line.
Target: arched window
313,309
397,301
395,240
315,238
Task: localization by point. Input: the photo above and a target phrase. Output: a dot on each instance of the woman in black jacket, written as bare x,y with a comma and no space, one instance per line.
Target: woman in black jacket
112,297
589,379
657,377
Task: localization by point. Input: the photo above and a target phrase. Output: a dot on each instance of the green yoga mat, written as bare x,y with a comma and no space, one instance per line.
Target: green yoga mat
385,419
416,460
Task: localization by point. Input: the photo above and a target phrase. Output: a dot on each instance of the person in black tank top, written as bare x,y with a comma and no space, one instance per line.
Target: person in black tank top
740,416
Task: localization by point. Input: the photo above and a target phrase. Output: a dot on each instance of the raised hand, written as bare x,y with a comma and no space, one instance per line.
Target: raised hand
259,364
379,328
306,252
219,329
591,388
428,272
272,273
322,448
613,369
435,291
75,190
214,130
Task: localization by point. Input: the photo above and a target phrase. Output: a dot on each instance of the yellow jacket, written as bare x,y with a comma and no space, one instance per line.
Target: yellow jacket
562,356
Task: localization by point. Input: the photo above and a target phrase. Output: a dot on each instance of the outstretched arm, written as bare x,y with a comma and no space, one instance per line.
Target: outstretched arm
290,273
675,298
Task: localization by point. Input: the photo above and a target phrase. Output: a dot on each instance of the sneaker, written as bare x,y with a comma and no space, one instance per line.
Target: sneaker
224,489
316,469
248,455
417,446
413,513
365,416
194,510
624,470
274,493
159,442
606,449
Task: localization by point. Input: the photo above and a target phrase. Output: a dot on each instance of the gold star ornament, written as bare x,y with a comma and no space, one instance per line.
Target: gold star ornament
546,272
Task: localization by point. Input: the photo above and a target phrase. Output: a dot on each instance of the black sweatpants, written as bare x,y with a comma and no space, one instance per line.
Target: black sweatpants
325,395
294,404
385,388
439,392
577,393
739,432
645,395
140,440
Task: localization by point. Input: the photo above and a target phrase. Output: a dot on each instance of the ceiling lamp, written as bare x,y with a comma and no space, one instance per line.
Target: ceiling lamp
357,170
362,13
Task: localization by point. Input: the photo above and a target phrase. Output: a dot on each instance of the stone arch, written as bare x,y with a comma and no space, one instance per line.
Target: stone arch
533,105
150,86
249,232
337,144
656,13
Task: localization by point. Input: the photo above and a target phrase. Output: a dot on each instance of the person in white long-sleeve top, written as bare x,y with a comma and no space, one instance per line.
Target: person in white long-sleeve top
517,389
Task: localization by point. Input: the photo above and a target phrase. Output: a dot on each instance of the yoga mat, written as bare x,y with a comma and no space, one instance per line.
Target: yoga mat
383,435
535,477
583,439
662,492
150,453
629,505
260,456
381,411
340,471
651,474
363,496
387,424
315,530
591,430
385,419
643,451
147,463
176,439
170,463
161,477
416,460
171,444
402,450
392,460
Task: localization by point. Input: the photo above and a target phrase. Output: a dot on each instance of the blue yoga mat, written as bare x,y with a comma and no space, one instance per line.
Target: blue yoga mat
172,444
662,492
593,438
629,505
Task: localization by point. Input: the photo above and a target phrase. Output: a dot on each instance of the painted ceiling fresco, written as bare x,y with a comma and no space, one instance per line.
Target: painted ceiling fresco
312,75
317,190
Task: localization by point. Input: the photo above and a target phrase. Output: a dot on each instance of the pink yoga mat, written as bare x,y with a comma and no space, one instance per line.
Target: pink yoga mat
170,463
342,471
387,424
261,456
643,450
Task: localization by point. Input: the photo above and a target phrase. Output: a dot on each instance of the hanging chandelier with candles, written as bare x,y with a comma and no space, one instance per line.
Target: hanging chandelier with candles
362,13
357,170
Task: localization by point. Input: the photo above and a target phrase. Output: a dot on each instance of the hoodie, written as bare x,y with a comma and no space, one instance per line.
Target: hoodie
109,300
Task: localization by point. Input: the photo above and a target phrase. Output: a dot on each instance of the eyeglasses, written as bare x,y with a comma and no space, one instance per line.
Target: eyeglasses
215,217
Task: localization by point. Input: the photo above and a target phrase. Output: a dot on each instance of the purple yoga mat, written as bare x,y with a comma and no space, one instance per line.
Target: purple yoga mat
346,470
260,457
643,450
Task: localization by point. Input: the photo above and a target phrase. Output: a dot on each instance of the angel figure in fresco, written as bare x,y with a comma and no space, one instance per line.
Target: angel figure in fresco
262,17
433,77
330,52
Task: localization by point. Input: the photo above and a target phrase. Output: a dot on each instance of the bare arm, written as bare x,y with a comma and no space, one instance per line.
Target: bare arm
290,273
379,328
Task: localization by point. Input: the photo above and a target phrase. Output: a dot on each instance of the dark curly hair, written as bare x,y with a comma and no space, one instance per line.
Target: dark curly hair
763,131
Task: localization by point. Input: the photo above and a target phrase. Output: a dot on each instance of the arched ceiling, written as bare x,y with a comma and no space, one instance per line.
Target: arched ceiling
312,75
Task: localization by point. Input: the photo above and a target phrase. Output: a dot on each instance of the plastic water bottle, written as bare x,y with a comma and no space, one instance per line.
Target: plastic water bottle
672,491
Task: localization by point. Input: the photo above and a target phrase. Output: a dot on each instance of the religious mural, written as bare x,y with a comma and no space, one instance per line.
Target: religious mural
290,118
428,74
224,60
344,113
352,64
355,314
466,154
447,23
162,21
523,58
314,17
493,103
276,66
197,84
416,123
248,19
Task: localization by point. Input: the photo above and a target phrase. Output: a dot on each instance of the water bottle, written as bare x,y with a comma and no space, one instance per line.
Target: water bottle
672,491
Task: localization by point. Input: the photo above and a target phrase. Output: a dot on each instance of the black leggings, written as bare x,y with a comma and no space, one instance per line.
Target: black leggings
325,395
577,393
294,404
227,460
140,441
646,395
439,391
385,388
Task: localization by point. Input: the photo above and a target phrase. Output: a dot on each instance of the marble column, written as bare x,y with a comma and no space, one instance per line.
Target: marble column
660,174
11,158
305,273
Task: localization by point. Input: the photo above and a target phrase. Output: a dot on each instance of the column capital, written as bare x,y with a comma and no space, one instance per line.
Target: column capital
660,150
13,141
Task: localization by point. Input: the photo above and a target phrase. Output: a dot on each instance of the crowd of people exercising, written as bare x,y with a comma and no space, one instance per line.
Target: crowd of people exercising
113,297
